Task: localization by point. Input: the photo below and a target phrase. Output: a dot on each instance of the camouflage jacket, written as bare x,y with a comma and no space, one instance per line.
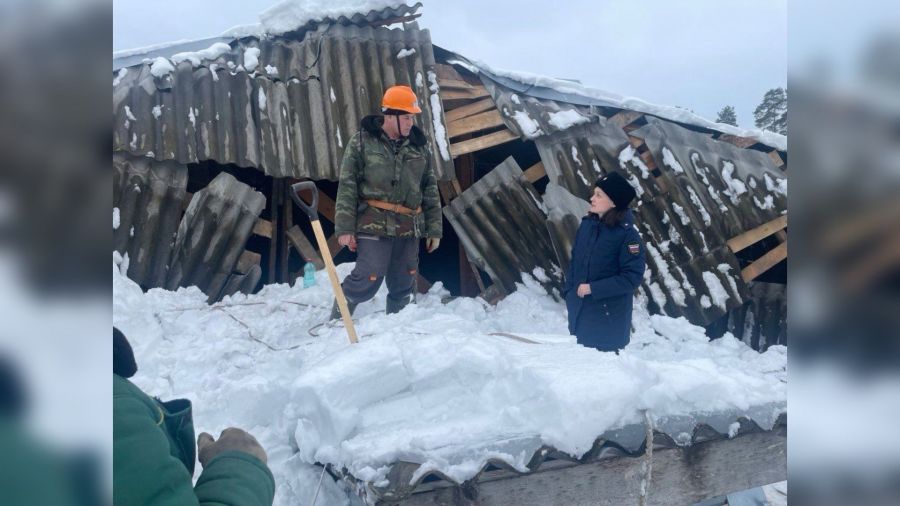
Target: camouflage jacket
373,169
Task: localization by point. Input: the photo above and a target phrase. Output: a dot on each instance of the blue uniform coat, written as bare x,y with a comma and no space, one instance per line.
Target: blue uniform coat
611,260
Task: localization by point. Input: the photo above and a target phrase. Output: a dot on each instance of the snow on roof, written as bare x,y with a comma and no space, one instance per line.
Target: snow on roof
283,17
290,15
576,93
430,384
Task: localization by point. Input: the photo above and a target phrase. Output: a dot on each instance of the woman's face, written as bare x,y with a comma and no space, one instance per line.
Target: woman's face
600,202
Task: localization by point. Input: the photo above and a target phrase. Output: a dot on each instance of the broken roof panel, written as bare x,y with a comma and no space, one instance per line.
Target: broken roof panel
574,93
282,106
501,225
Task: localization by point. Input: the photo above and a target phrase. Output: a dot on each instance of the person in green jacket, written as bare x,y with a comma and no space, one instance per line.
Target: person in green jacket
387,199
153,451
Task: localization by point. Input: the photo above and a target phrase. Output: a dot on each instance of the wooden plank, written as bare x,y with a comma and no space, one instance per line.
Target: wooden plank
635,142
469,109
263,228
776,157
475,123
535,172
448,191
680,475
483,142
456,84
750,237
475,92
326,204
448,72
648,160
765,262
305,248
284,248
246,261
741,142
623,118
274,205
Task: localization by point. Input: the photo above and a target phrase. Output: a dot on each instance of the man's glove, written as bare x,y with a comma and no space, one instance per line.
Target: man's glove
230,439
432,244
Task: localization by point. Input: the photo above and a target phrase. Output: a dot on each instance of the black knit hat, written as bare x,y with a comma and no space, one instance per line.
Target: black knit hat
617,189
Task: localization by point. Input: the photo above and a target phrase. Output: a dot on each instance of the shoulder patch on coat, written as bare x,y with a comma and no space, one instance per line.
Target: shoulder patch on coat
634,248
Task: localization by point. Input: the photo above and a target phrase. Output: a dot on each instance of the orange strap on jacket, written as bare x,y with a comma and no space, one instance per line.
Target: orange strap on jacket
396,208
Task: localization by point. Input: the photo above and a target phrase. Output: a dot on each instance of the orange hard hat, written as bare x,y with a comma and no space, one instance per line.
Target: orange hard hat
400,98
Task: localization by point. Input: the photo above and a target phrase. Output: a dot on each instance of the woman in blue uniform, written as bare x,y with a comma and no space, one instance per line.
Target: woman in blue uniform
606,268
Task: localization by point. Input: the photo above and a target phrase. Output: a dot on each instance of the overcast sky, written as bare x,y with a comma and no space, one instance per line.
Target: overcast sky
698,54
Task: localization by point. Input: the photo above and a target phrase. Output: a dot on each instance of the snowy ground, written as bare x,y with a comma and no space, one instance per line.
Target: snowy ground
429,384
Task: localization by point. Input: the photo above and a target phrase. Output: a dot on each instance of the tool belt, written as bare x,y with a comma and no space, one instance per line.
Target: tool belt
395,208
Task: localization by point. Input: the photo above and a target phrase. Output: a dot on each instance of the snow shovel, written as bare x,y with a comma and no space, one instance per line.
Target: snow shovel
313,213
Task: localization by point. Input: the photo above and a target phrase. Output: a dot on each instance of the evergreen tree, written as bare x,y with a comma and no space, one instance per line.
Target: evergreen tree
727,116
771,114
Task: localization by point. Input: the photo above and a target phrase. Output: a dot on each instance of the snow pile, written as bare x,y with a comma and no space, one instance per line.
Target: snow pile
565,119
293,14
429,384
161,67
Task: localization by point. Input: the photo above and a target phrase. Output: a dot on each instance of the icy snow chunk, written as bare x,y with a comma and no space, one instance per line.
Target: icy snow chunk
778,186
681,214
128,114
196,57
629,154
157,111
115,218
131,231
670,160
515,99
733,429
192,117
214,71
419,81
568,118
161,67
529,127
406,52
261,99
251,58
437,113
271,70
695,199
716,290
337,135
119,75
726,270
736,187
705,302
767,203
662,270
576,158
331,92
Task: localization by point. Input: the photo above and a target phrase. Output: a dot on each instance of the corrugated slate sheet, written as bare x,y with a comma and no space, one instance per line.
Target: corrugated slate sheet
530,116
291,115
212,235
626,442
148,195
501,226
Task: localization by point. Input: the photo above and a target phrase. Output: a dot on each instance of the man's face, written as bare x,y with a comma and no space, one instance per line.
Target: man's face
406,123
398,126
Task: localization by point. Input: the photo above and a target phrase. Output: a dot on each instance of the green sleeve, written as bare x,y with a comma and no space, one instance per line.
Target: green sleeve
235,478
431,203
347,199
145,472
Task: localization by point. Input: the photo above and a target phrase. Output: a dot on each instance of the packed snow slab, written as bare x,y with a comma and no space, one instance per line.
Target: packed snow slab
438,389
453,399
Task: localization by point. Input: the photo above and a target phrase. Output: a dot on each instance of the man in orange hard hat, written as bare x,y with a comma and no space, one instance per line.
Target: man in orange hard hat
387,199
